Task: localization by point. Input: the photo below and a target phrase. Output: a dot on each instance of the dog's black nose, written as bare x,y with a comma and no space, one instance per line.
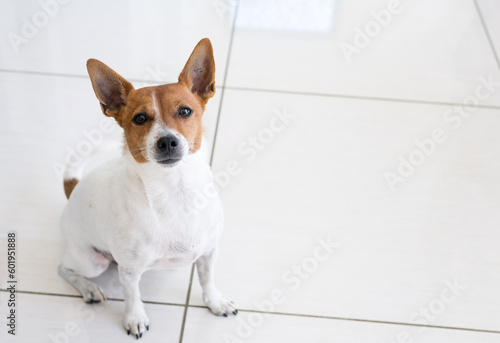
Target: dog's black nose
167,143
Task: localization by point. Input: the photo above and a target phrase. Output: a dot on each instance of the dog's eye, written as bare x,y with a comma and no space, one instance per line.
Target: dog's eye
184,112
140,118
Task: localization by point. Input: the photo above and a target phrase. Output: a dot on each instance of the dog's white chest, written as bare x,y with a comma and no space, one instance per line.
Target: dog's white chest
184,237
182,230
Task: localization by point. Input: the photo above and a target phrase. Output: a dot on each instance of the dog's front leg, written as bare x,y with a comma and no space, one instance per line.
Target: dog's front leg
212,297
136,321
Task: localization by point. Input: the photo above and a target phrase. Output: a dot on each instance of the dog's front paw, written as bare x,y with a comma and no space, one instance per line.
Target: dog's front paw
136,323
219,304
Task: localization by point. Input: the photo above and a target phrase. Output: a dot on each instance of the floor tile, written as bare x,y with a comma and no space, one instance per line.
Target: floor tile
429,51
43,318
148,40
201,326
38,135
322,175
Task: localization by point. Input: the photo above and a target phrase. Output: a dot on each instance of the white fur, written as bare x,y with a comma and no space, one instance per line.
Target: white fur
142,214
155,105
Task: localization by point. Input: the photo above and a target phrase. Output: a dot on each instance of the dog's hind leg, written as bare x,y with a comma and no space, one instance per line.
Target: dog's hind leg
76,270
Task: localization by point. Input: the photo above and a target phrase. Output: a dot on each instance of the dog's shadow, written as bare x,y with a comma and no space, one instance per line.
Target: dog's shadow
158,285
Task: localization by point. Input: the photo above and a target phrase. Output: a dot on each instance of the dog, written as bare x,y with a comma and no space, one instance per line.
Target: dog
137,210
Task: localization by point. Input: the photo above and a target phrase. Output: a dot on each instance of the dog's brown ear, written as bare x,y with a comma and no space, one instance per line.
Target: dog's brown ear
199,72
110,88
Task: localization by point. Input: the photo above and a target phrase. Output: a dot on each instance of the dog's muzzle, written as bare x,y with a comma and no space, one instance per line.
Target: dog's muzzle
168,150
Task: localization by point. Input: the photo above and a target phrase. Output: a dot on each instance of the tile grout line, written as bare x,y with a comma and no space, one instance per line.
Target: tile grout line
42,73
186,305
79,296
183,325
280,91
279,313
366,320
229,50
356,97
74,76
487,33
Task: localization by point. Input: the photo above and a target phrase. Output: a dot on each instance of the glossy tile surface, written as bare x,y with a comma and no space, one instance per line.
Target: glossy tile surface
321,174
201,326
42,318
144,40
420,52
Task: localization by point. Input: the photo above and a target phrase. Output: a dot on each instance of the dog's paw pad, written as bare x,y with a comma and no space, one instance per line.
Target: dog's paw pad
136,324
93,294
219,304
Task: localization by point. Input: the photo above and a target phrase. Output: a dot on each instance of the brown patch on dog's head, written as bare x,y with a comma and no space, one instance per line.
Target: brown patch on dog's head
138,111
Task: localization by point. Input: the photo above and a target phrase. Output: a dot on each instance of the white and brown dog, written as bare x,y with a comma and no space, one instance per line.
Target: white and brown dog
137,210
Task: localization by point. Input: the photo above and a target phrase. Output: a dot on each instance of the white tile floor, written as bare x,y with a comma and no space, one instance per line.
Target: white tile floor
415,262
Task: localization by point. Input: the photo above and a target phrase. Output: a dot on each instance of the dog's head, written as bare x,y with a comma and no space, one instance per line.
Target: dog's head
162,124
